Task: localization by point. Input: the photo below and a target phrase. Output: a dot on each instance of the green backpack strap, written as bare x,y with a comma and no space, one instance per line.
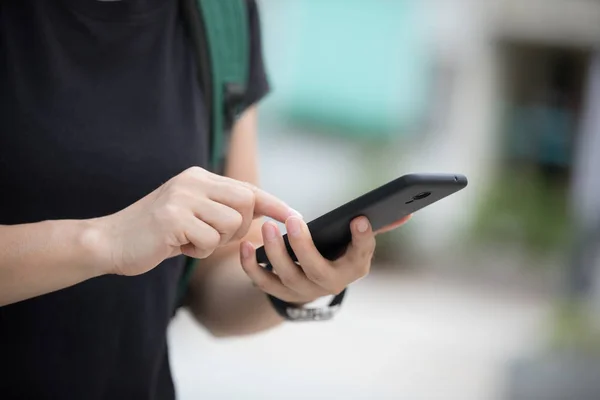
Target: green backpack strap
219,31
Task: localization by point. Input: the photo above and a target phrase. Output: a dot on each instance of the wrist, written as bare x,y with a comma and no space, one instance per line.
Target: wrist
92,242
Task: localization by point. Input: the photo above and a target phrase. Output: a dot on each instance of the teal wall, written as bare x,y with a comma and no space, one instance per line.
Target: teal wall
355,67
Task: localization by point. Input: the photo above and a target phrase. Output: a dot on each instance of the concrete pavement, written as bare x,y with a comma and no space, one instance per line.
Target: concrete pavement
399,336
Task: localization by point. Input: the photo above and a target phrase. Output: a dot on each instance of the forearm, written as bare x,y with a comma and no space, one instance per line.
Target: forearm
226,302
223,298
44,257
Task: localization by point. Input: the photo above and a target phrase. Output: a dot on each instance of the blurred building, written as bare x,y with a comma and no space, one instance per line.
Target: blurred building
366,91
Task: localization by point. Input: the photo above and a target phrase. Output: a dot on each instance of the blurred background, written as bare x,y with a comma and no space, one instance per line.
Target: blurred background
490,294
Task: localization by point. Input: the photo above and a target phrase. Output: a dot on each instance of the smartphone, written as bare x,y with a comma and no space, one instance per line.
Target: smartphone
382,206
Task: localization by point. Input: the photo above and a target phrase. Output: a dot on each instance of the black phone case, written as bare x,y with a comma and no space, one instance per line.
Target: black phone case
382,206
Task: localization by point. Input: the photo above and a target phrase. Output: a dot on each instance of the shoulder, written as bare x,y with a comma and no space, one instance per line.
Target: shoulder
254,18
252,5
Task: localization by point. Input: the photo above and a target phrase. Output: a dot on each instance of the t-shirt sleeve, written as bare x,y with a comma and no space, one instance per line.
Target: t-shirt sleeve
258,83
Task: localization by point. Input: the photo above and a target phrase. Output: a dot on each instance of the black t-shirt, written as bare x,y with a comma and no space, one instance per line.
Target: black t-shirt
99,105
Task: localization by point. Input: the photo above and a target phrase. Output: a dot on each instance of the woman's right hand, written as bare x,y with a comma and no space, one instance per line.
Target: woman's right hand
194,213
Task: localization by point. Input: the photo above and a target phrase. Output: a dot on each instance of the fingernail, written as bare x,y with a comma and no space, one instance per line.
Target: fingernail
270,231
294,226
247,249
362,225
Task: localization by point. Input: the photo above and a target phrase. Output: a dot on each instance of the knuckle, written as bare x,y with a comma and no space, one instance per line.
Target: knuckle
246,197
235,221
319,276
290,279
372,244
194,171
194,175
366,254
202,253
230,225
169,213
211,240
240,191
208,243
177,195
366,251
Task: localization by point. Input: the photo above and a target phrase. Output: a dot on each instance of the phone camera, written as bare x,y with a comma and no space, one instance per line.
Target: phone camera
422,195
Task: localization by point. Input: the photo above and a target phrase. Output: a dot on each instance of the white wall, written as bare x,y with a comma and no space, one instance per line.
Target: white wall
466,140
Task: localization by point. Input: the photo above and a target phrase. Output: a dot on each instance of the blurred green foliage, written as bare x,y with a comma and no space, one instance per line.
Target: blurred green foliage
378,159
573,329
525,207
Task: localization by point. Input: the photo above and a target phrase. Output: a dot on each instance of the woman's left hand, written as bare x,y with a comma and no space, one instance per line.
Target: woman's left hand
316,276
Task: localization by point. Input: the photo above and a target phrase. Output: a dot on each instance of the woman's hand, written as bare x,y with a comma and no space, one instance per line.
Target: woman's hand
315,276
194,213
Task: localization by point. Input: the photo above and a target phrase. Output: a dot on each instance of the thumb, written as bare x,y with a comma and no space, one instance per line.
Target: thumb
393,225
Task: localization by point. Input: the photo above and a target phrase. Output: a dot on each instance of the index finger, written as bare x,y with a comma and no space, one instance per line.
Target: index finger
267,205
393,225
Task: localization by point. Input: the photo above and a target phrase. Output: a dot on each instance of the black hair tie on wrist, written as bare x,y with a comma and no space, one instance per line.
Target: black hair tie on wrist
292,312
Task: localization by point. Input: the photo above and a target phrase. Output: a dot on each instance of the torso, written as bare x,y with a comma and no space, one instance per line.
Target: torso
98,106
